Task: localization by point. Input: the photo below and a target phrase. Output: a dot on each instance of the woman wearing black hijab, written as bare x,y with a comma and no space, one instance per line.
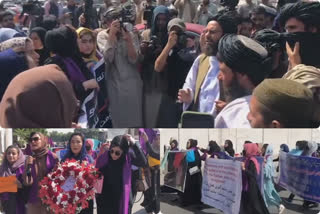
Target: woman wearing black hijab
62,43
38,35
115,165
193,182
228,148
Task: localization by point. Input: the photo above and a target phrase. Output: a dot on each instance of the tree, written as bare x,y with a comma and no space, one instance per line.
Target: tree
21,136
92,133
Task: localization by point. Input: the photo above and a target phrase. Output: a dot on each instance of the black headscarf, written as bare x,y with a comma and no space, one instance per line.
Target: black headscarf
113,171
246,56
41,32
229,148
62,41
43,53
213,147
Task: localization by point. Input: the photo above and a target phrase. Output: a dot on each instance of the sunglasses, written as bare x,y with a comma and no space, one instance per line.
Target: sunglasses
34,139
117,153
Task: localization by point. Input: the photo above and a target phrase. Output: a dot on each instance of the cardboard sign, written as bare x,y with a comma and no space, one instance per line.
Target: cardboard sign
8,184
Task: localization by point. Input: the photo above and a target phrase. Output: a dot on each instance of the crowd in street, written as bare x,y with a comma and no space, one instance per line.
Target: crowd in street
145,64
253,200
122,165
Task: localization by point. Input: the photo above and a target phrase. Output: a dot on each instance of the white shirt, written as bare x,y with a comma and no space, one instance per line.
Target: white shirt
234,115
209,91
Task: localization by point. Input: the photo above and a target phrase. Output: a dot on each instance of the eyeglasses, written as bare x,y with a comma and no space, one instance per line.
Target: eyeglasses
34,139
117,153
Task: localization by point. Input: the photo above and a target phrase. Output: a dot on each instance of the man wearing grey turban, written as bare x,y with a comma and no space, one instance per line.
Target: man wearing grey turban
243,64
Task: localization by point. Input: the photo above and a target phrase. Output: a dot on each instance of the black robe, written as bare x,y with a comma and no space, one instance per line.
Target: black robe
193,183
252,201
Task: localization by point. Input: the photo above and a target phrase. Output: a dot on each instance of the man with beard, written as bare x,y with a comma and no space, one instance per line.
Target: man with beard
243,64
201,87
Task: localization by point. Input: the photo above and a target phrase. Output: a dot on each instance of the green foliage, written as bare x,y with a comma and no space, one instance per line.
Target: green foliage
59,136
21,136
92,133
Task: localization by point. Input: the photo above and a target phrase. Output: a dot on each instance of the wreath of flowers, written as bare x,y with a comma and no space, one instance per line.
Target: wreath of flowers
73,201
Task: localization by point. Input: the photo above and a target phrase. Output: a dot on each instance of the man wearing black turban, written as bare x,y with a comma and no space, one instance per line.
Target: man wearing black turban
301,17
243,64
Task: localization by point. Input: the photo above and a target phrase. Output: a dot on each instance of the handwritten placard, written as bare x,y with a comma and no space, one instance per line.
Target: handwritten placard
8,184
300,175
69,184
222,185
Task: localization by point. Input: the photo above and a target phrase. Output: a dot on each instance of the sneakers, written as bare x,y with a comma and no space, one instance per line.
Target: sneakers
281,209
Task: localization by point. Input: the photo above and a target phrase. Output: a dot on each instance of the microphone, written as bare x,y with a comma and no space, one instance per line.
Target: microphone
29,168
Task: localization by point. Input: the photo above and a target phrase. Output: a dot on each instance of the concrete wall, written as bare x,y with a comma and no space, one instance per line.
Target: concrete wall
5,139
271,136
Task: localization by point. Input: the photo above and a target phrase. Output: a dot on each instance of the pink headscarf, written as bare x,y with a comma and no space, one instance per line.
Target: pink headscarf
252,150
90,141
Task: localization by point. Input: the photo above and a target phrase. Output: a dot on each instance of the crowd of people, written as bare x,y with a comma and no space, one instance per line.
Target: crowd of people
252,199
121,164
138,64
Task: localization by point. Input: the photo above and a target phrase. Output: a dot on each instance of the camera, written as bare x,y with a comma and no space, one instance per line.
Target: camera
182,40
125,14
32,8
309,46
147,15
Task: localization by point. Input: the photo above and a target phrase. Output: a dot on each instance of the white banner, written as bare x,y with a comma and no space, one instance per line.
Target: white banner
222,185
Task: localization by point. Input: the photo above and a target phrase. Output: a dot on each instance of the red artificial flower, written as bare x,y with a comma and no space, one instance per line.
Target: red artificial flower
70,201
72,193
65,174
79,184
64,198
80,195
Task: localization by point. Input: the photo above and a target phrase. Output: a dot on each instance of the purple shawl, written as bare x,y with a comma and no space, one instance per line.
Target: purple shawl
51,162
124,203
73,70
151,135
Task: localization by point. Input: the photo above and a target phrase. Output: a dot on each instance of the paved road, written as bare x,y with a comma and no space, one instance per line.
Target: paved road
137,209
169,207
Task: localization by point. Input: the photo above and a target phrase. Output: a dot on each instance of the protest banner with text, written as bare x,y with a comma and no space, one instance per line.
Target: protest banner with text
300,175
222,185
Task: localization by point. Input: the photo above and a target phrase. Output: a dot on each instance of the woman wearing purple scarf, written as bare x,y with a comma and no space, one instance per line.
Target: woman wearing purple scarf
37,167
115,165
13,164
62,43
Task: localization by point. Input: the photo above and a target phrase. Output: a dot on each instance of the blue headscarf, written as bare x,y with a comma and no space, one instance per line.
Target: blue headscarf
83,156
284,147
9,33
11,64
158,10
